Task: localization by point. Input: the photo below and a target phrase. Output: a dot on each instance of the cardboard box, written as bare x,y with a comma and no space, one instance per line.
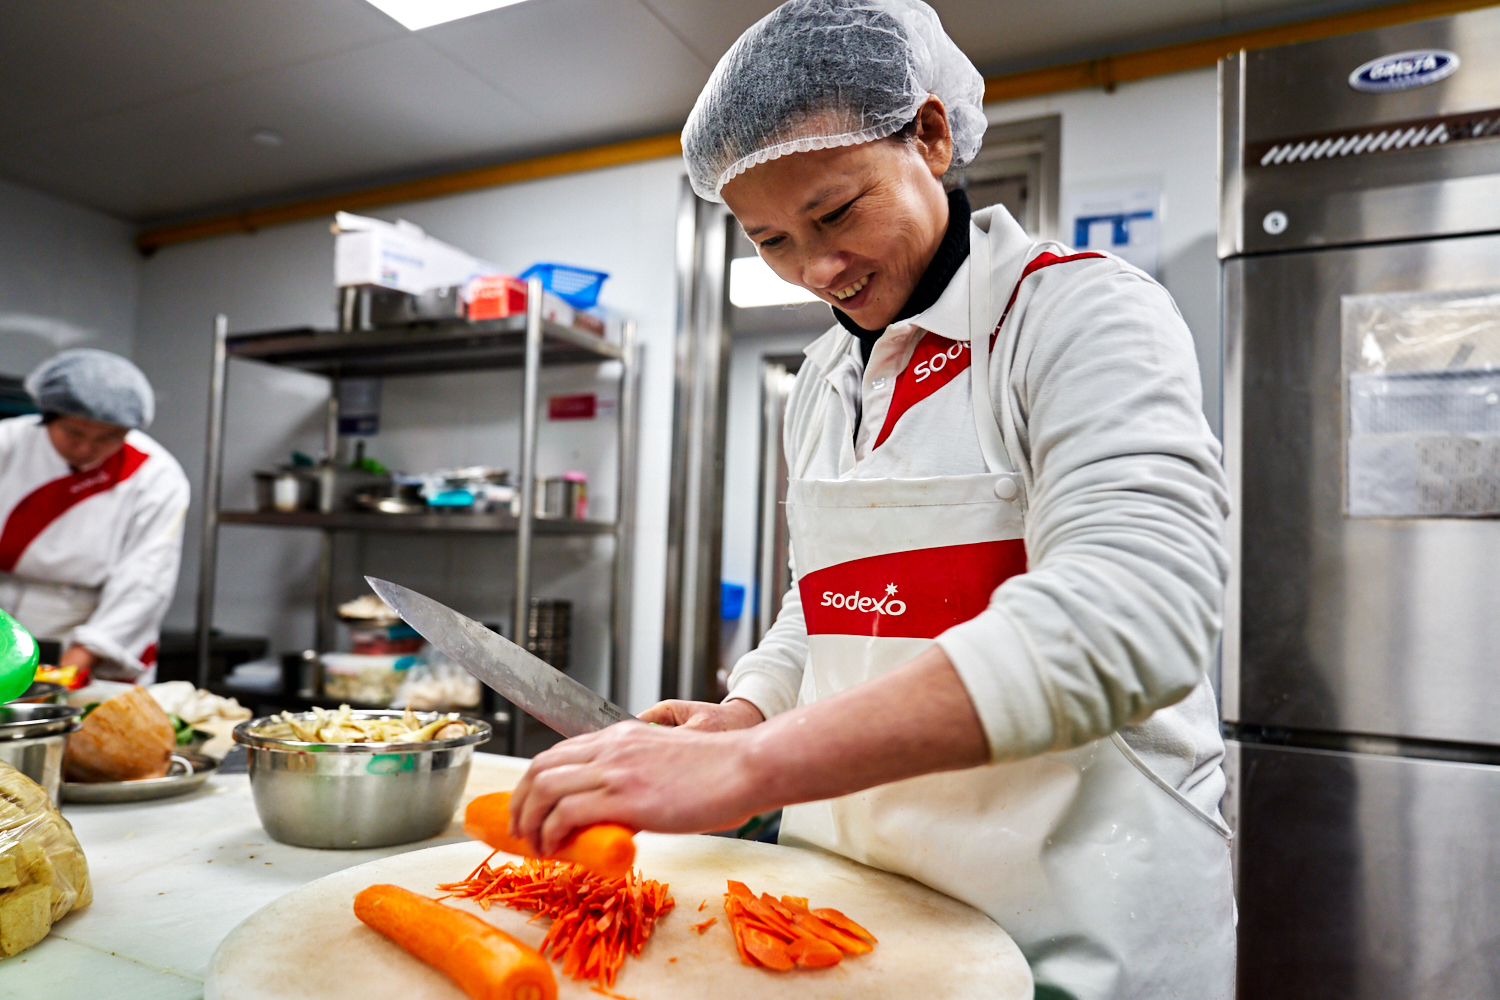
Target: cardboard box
398,256
496,297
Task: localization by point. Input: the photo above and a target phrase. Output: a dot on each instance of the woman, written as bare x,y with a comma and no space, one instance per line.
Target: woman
91,515
1006,514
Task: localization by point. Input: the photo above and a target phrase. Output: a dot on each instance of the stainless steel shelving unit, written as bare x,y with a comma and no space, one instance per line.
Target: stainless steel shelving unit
527,342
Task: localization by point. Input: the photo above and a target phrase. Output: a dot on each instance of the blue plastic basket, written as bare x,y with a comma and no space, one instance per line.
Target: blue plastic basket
577,286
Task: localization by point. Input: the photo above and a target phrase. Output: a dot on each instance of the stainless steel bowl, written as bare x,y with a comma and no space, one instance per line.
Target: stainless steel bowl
349,795
33,738
43,693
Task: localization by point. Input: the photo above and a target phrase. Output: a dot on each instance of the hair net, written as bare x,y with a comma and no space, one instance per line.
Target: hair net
98,385
814,74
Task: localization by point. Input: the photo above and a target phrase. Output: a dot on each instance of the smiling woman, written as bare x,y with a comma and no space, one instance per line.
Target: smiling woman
1006,513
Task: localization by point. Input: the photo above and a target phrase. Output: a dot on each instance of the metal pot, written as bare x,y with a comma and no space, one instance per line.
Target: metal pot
350,795
43,693
33,738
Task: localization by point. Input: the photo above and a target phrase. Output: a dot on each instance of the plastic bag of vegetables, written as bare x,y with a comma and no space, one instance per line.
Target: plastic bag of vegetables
43,873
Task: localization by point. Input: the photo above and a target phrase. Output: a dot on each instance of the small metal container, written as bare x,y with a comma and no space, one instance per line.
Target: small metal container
349,795
44,693
33,738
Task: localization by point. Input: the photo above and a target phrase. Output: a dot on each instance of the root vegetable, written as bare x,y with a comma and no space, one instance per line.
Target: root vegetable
484,961
606,849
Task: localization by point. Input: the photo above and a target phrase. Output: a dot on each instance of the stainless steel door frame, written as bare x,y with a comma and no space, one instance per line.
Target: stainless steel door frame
773,539
1362,625
690,634
1366,877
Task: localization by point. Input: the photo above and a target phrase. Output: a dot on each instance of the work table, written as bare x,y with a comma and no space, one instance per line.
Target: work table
172,877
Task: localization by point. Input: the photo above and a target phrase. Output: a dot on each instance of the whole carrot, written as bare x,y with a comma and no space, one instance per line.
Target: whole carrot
606,849
484,961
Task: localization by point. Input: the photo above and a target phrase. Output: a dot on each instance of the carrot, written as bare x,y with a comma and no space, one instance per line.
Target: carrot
778,934
700,928
843,923
767,950
606,849
813,953
596,921
484,961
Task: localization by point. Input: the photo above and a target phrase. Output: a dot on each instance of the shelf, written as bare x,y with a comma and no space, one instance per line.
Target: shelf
419,349
353,520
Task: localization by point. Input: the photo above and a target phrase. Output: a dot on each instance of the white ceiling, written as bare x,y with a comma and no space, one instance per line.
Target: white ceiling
144,108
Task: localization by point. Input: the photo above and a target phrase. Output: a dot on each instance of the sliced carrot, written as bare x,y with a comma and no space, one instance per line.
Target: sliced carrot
813,924
702,905
796,902
766,950
606,849
843,923
740,890
814,953
700,928
596,921
484,961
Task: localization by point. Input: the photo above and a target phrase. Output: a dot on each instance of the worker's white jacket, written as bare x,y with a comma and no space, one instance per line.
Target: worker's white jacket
90,557
1117,619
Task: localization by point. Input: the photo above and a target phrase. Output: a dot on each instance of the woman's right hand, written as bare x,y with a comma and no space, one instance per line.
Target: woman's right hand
736,713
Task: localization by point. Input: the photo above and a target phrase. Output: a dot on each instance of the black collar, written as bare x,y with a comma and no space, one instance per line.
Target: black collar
952,252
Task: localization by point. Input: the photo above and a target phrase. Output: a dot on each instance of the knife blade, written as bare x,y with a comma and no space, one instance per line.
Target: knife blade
525,680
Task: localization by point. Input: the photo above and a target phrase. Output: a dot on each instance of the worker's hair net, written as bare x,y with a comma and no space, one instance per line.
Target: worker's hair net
815,74
96,385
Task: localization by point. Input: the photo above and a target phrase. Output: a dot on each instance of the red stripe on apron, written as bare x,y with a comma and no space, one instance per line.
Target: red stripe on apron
916,594
48,502
936,361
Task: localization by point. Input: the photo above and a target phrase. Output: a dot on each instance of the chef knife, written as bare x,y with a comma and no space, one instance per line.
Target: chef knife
526,681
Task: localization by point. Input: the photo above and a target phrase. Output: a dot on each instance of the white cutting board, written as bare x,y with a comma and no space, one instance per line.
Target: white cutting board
308,943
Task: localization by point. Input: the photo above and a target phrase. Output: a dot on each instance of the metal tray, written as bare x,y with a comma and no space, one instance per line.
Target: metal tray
186,772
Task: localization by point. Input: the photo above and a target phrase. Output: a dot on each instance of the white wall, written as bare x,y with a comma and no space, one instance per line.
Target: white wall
620,220
1163,129
68,278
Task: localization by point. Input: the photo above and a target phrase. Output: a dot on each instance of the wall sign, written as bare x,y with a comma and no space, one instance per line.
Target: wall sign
1404,70
1123,219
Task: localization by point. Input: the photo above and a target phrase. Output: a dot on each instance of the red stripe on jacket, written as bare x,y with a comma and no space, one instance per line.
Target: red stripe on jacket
917,593
936,361
48,502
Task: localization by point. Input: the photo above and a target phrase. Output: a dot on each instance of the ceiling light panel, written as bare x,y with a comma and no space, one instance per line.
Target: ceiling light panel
419,14
753,284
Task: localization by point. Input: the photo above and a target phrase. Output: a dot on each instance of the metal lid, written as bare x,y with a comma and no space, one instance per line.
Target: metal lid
29,721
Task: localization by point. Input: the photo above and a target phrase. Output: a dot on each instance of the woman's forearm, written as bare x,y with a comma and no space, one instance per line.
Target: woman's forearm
915,720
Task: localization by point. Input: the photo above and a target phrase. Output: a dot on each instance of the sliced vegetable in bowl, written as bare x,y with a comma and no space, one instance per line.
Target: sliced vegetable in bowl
344,726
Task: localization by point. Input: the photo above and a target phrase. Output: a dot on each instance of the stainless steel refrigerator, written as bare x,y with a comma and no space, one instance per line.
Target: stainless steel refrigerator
1360,238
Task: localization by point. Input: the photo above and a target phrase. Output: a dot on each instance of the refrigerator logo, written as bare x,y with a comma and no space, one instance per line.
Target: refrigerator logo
1404,70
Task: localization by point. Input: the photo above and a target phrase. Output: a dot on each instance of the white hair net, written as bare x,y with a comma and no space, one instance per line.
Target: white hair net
815,74
96,385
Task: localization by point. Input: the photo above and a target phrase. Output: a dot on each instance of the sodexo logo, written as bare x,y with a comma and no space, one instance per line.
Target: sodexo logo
940,360
886,605
1404,70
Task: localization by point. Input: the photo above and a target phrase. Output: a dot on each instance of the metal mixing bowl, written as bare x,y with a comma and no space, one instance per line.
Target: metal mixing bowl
33,738
349,795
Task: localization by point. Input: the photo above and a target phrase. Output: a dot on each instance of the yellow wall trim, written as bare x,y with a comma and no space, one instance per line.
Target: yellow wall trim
1106,72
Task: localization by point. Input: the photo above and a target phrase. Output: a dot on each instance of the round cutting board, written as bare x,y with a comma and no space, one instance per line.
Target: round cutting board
309,944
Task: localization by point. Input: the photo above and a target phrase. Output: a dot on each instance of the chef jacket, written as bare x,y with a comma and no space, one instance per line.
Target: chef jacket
1117,620
101,547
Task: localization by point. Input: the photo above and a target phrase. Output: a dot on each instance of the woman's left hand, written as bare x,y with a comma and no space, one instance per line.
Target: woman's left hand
673,780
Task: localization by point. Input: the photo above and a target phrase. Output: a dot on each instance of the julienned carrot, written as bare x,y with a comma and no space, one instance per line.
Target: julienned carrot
485,962
595,921
606,849
778,934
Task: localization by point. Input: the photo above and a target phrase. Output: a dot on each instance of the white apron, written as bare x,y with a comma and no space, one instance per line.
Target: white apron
46,609
1112,883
